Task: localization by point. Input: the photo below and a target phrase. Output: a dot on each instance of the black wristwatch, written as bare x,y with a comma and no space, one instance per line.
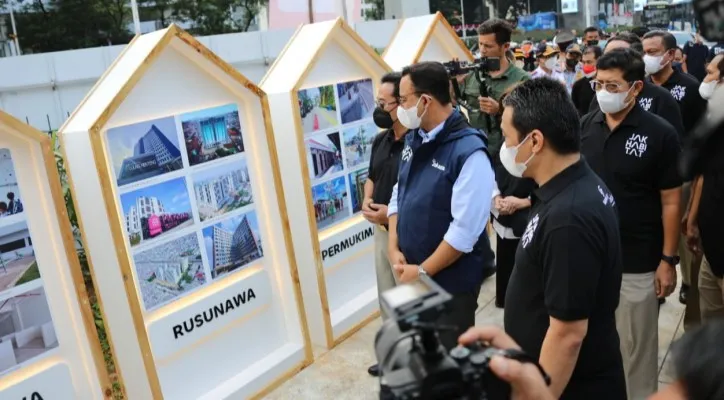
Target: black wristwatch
671,260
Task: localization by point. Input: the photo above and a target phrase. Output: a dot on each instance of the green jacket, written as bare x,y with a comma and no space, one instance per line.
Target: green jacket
470,90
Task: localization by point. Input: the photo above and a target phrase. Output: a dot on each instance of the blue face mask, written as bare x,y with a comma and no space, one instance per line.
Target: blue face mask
676,64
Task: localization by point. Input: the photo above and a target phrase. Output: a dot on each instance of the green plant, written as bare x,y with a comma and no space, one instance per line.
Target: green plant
116,390
31,274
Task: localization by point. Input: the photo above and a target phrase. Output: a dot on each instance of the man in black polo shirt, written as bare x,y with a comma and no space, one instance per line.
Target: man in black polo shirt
636,154
382,176
652,98
562,296
659,47
696,54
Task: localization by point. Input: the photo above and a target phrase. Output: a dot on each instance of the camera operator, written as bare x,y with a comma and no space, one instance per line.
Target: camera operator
652,98
564,290
382,176
698,359
494,41
636,154
437,213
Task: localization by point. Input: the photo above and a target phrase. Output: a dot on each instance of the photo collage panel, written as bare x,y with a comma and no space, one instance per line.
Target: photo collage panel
186,200
26,326
338,136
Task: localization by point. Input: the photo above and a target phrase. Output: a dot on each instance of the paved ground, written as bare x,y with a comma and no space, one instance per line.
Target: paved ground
325,119
342,372
15,269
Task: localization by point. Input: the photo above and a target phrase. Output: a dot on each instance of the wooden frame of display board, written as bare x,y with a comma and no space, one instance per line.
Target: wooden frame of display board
424,38
325,79
173,166
49,347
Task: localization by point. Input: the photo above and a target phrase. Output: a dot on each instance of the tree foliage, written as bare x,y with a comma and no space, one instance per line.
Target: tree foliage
376,12
218,16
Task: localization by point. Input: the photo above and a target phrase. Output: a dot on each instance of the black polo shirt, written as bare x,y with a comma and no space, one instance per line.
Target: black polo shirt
696,56
568,266
656,100
637,161
384,165
711,215
684,88
582,95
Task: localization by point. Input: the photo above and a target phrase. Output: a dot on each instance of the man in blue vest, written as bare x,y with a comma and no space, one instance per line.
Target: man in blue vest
440,204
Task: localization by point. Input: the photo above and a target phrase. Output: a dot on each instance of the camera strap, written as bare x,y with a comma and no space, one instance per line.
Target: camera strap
521,356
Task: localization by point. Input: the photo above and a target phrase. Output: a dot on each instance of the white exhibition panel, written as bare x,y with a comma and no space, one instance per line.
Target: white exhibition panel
232,332
340,289
424,38
44,346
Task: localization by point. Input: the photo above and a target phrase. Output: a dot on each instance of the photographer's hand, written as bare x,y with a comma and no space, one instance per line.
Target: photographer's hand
525,379
489,105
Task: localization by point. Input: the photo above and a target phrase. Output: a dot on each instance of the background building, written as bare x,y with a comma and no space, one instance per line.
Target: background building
222,247
152,155
216,192
144,208
244,246
323,157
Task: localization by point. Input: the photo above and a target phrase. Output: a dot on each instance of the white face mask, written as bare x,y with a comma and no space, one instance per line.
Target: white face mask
612,103
653,64
408,116
551,63
507,158
706,89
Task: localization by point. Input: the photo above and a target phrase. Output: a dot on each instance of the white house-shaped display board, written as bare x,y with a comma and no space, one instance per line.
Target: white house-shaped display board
425,38
48,342
177,185
322,91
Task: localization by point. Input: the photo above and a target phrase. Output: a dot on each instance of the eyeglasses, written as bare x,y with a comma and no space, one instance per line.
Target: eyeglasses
612,87
384,104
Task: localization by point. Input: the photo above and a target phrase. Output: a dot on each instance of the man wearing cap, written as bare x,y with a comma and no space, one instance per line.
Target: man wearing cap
547,57
572,70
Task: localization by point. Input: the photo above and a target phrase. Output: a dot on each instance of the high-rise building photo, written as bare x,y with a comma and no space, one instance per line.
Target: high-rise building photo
222,189
212,133
144,150
232,243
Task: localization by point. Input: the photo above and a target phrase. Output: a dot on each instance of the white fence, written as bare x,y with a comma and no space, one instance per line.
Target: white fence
44,89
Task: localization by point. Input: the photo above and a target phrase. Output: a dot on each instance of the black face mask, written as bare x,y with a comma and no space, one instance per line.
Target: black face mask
382,118
593,42
571,62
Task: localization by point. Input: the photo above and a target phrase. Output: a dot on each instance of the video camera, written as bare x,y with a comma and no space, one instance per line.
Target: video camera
480,67
414,364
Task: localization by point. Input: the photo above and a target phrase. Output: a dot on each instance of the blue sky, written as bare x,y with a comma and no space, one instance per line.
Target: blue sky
122,139
208,112
172,194
319,192
230,225
224,169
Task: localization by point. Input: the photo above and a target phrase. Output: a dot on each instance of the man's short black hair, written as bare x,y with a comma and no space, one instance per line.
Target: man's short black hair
545,104
595,50
640,31
393,78
590,29
668,39
627,61
11,195
633,41
430,77
500,27
699,361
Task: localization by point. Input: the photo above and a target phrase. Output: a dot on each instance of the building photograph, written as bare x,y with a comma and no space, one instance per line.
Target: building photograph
232,243
325,155
222,189
10,200
212,133
26,329
17,257
356,100
154,211
317,108
330,202
144,150
358,144
169,270
357,181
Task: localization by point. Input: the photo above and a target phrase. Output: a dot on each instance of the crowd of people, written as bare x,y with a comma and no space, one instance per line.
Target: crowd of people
574,164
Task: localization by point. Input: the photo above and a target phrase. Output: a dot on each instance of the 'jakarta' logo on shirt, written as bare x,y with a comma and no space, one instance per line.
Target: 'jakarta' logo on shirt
679,92
437,165
406,153
607,197
529,231
645,103
636,145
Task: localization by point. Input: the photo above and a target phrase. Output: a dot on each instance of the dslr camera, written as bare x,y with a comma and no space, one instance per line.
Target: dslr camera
481,65
414,364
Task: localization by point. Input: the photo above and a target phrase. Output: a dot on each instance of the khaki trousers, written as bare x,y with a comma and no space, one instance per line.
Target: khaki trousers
711,293
385,275
637,324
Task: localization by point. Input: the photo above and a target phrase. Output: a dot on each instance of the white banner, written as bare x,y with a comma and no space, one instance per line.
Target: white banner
569,6
54,383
